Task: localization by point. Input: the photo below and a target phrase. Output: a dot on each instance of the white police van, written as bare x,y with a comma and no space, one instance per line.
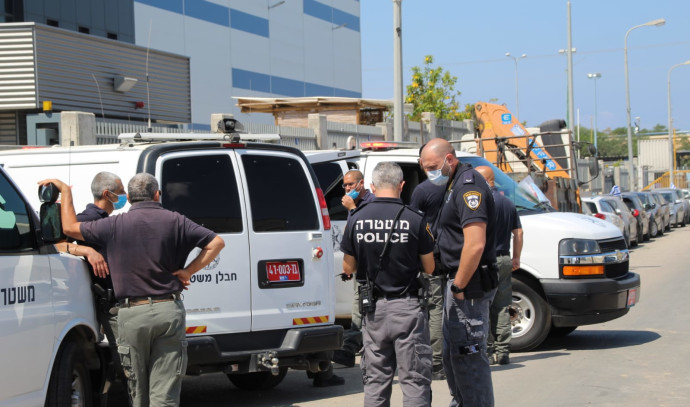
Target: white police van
574,268
264,305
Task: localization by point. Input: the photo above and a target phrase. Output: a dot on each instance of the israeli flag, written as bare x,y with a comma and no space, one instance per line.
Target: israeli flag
615,191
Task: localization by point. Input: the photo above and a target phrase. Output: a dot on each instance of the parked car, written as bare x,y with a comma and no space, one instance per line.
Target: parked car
677,203
622,210
603,210
656,216
637,208
663,205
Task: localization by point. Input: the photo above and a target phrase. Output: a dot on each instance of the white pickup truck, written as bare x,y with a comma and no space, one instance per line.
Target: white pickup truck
574,268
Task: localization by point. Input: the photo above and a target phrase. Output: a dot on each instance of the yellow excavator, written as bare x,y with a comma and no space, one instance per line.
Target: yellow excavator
547,154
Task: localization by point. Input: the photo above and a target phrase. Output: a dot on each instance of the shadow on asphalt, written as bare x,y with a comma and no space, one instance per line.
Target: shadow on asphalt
598,340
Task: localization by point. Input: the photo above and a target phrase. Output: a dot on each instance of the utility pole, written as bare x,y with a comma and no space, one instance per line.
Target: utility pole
397,72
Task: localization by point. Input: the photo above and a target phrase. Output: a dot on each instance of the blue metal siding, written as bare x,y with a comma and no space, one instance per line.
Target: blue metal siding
204,10
248,23
331,14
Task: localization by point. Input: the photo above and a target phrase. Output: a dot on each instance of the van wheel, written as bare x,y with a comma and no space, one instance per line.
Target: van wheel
530,318
70,383
258,380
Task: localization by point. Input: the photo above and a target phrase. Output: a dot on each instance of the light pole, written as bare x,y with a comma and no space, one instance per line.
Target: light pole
595,76
672,154
517,93
631,168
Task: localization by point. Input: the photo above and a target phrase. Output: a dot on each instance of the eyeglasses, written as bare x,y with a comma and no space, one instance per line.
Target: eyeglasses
350,184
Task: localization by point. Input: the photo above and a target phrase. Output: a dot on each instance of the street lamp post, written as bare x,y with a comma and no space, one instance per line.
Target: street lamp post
631,168
595,76
672,154
517,92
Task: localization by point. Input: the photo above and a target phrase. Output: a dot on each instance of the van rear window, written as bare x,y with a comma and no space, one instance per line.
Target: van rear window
280,195
204,189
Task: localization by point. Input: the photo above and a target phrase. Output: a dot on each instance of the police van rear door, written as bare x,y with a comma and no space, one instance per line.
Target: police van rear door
290,251
206,187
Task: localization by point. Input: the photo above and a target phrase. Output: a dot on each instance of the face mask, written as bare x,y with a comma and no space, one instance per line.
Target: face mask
121,202
353,194
436,177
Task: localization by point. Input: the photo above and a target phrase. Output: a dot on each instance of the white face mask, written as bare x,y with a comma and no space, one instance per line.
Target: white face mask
436,176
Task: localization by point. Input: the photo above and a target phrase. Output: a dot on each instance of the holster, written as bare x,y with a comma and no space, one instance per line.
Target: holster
367,299
423,292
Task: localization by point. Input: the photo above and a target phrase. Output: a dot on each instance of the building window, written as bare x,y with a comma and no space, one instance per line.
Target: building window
112,36
53,23
84,30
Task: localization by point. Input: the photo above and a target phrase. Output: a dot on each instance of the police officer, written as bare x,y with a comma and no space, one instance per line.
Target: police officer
427,198
507,224
387,244
466,243
147,249
355,195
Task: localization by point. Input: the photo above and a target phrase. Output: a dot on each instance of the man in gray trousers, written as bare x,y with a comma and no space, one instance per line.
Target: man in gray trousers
386,244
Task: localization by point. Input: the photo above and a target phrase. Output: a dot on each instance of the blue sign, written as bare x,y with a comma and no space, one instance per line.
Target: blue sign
506,118
542,154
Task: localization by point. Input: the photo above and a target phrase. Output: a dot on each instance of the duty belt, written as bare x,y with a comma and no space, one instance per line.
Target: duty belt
134,301
386,296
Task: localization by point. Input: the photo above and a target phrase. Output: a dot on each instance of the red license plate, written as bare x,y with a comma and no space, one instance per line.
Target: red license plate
283,271
632,297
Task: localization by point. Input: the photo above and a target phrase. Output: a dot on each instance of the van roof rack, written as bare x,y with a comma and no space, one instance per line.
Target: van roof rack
232,137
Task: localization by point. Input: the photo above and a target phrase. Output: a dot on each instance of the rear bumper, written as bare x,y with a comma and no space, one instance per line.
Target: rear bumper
300,348
589,301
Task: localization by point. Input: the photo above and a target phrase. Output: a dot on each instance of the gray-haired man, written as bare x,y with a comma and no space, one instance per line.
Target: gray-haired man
147,249
387,244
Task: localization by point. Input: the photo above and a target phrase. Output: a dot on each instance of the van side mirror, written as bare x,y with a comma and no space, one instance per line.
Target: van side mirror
51,221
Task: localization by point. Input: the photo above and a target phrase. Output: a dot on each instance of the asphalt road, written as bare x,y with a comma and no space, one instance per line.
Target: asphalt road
641,359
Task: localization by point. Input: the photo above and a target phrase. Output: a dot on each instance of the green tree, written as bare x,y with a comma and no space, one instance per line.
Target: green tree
433,90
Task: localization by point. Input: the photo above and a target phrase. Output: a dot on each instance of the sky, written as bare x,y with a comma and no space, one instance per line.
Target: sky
470,39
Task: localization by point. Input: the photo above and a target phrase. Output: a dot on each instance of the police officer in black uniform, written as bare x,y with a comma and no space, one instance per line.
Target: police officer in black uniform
387,244
467,252
427,198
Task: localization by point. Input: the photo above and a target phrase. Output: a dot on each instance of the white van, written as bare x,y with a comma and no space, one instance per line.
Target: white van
47,320
267,302
546,299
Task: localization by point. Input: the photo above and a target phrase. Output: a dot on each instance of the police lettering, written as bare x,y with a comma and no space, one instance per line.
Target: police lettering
367,231
18,295
382,237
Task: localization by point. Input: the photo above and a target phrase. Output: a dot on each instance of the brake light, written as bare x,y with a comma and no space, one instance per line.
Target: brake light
324,210
636,213
599,216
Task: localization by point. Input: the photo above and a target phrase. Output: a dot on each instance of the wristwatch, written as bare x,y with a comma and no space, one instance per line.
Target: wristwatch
455,289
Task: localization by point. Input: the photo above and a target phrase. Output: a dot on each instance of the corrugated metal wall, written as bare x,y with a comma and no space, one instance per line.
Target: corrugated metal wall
17,64
76,72
654,154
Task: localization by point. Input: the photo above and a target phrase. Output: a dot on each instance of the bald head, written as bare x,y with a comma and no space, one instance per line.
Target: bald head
438,153
487,173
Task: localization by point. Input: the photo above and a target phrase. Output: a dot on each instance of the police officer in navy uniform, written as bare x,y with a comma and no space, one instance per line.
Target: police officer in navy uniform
466,245
387,244
427,198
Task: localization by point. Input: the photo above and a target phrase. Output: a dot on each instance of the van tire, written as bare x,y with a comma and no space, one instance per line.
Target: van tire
530,318
70,383
258,380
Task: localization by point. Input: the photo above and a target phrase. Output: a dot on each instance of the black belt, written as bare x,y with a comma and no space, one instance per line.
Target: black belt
387,296
151,299
502,252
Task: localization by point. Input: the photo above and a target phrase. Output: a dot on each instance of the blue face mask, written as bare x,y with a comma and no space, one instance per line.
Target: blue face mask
436,177
121,202
353,194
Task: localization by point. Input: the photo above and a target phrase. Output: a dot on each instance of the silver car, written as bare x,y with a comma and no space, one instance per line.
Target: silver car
622,210
656,216
602,209
664,208
676,205
681,207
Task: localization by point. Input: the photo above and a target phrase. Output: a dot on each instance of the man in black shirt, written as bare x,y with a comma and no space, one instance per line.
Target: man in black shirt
466,242
507,224
427,198
387,244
